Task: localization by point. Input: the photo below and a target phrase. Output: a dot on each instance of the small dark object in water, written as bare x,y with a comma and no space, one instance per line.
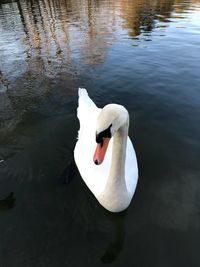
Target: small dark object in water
7,203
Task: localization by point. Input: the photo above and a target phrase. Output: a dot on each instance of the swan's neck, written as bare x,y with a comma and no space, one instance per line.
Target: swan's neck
116,178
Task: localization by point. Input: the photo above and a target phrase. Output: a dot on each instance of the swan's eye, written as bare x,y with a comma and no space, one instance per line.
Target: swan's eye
101,135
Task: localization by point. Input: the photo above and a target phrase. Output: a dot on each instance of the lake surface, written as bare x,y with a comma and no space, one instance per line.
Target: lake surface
142,54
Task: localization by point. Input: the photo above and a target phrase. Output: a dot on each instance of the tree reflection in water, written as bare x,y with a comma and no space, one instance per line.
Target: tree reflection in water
51,41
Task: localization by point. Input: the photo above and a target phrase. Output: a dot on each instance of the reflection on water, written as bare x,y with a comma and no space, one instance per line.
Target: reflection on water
48,36
143,54
47,31
115,246
46,41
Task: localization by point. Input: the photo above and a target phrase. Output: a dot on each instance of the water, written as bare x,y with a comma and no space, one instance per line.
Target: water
142,54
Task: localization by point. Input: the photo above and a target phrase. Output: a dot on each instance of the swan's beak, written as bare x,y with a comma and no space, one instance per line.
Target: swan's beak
101,151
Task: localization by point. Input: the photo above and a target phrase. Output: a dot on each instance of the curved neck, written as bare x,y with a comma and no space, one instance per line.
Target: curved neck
116,178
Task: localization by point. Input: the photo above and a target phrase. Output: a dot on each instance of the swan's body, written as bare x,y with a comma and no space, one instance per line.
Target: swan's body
113,182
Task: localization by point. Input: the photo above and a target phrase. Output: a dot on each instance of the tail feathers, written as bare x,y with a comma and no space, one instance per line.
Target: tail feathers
82,92
86,106
84,101
86,111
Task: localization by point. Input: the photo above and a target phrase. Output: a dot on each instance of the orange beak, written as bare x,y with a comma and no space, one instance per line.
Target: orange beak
101,151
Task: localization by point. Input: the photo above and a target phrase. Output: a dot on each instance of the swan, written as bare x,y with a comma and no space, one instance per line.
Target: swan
104,154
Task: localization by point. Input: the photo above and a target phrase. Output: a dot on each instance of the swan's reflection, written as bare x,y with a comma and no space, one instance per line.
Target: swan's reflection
118,234
96,220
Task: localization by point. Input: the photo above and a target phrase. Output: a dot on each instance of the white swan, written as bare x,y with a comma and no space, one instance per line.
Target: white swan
113,182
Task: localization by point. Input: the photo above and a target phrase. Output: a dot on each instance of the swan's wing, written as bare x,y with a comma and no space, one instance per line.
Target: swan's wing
131,168
93,175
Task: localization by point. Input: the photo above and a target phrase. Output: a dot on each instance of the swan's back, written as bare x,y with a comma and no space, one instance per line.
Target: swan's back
95,176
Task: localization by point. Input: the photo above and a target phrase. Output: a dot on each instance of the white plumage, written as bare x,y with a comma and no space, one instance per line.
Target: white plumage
113,182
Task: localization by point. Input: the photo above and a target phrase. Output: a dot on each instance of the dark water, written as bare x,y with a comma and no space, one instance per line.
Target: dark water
142,54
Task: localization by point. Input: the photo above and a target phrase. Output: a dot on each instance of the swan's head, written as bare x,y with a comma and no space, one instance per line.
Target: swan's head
110,120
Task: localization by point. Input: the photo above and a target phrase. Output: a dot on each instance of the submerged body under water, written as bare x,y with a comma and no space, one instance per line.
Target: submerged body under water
141,54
